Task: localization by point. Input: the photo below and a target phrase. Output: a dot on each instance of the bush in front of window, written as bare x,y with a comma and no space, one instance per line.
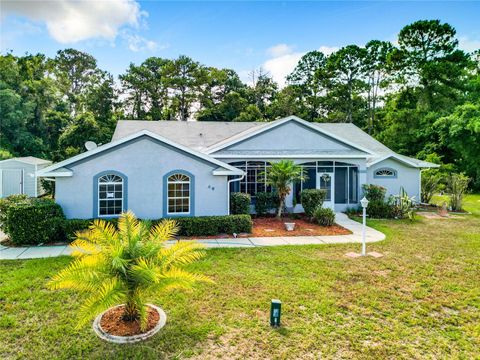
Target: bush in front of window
266,202
324,216
31,221
239,203
312,199
374,192
189,226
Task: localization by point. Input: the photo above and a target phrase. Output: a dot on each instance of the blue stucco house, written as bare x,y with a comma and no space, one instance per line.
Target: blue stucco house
169,168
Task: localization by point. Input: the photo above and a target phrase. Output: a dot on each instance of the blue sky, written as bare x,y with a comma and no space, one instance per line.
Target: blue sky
238,35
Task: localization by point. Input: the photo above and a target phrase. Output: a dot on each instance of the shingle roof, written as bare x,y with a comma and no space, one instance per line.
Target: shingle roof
31,160
201,135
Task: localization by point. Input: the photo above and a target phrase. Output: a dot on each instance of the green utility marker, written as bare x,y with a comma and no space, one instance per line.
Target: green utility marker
275,312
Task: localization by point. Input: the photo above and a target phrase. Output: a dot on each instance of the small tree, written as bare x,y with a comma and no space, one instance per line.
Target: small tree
280,176
430,184
457,186
127,266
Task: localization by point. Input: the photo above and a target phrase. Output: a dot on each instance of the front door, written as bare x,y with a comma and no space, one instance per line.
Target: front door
326,182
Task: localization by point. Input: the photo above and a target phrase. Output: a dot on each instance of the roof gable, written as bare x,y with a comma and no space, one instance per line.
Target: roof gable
290,133
58,168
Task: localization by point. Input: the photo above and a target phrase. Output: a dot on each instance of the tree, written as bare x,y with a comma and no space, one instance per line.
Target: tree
281,175
377,71
460,132
347,72
72,141
76,71
185,78
308,76
127,266
430,57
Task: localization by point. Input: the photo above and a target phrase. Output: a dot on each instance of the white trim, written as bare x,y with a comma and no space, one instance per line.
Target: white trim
106,199
299,156
48,171
189,182
398,158
35,180
235,139
1,183
24,162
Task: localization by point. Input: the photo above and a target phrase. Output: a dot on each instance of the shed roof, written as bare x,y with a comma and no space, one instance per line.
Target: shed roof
32,160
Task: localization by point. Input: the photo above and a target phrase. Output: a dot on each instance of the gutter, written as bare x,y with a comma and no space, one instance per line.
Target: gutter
228,190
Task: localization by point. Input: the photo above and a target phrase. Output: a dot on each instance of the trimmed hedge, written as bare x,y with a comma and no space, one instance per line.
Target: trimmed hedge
324,216
374,192
31,221
189,226
239,203
265,202
312,199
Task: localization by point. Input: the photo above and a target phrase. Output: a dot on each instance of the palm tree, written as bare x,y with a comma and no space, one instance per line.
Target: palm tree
127,266
281,175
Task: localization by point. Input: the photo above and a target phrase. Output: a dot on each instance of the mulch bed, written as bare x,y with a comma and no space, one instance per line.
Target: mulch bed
272,227
113,324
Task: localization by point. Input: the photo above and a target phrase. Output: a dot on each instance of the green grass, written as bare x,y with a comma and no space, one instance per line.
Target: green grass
421,300
471,202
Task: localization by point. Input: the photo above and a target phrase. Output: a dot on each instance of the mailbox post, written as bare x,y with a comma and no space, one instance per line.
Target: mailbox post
275,312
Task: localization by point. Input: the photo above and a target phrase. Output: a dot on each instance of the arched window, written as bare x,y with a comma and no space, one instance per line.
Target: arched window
110,195
178,197
385,173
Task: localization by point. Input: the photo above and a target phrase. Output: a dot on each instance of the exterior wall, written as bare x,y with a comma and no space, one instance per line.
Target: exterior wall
407,176
28,175
289,136
144,162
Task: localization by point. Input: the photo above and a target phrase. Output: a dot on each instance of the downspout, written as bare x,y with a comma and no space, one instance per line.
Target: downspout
228,190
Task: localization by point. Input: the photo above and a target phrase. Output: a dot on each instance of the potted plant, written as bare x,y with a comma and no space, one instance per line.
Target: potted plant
120,269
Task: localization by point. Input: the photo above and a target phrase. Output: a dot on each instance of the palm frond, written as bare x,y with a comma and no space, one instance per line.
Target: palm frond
82,274
165,230
181,253
102,232
145,272
176,278
109,293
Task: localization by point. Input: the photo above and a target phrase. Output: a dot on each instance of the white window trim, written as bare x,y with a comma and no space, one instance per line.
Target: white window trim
98,194
189,182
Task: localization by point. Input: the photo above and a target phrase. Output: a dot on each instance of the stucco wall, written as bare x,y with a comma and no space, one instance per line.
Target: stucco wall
408,177
289,136
144,162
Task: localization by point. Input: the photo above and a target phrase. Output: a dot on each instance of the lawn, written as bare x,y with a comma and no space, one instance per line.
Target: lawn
421,300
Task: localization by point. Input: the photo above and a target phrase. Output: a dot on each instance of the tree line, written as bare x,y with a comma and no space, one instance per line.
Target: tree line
420,97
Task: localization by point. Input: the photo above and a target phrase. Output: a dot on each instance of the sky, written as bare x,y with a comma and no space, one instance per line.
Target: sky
239,35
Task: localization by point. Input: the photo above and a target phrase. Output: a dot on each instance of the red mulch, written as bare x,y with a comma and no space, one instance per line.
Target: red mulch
271,226
113,323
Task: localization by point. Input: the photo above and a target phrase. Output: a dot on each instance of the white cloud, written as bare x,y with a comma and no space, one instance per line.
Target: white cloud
70,21
283,60
467,44
279,50
138,43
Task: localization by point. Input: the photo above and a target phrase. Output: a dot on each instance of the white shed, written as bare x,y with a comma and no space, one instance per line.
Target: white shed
19,176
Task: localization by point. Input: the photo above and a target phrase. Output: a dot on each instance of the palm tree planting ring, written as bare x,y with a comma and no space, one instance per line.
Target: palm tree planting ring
133,338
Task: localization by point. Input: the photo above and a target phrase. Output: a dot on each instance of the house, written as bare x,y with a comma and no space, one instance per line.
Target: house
18,176
165,168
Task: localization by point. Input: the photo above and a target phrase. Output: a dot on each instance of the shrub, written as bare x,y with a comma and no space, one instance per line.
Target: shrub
324,216
32,221
189,226
374,192
312,199
381,210
239,203
265,202
457,186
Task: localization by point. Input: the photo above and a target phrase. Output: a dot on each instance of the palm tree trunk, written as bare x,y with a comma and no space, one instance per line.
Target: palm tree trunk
131,312
280,207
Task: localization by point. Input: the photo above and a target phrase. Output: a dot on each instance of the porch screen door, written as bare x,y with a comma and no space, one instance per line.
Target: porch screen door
326,181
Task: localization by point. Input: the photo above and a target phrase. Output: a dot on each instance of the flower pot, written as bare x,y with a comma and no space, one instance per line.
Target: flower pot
128,339
290,226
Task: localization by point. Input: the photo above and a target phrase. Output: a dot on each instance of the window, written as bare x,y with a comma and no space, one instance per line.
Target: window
385,173
110,195
178,199
254,180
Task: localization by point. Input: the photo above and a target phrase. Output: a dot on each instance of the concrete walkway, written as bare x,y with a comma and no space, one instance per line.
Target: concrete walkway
372,235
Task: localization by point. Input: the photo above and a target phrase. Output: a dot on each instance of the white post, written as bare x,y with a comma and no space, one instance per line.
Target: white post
364,203
364,228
